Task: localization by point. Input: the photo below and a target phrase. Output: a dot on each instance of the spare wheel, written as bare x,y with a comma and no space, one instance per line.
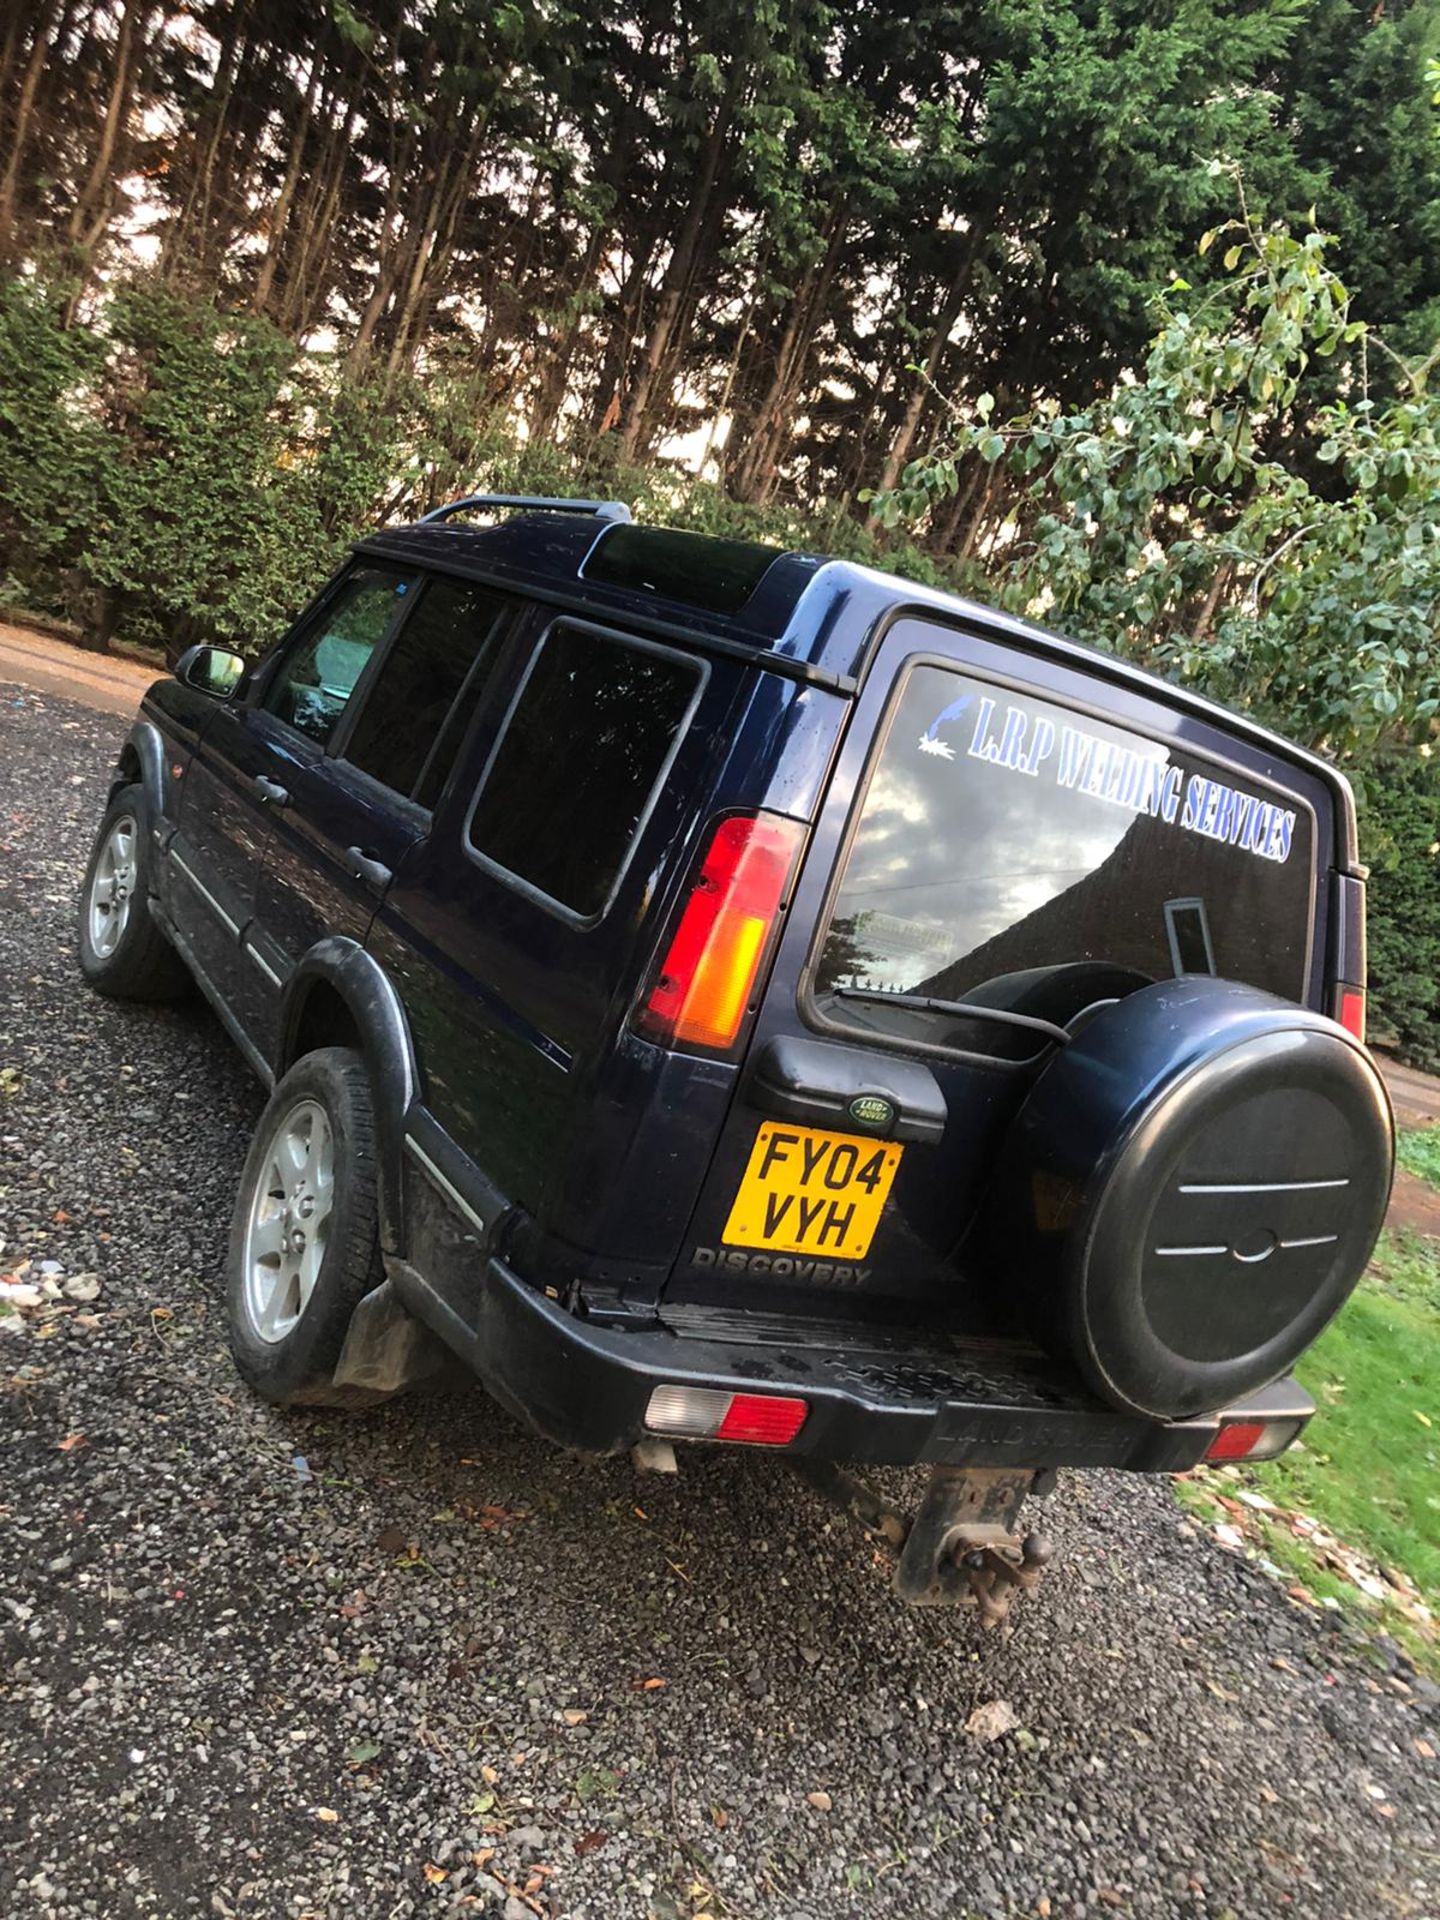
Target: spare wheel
1191,1191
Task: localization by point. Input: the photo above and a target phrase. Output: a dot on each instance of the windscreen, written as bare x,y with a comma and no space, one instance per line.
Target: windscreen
1021,856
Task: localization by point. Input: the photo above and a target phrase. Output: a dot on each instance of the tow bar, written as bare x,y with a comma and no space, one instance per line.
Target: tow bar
962,1547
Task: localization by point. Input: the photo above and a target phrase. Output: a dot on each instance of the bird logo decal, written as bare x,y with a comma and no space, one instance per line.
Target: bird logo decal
931,741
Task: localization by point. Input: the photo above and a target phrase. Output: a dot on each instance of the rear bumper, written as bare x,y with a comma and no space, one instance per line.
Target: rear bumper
588,1387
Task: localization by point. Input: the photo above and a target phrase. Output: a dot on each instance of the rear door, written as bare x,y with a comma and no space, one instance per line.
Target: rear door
990,841
512,927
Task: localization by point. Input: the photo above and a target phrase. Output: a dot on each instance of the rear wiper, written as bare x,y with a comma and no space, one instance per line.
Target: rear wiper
957,1009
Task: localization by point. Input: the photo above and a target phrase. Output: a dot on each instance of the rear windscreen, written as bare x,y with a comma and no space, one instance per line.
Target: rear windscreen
1017,855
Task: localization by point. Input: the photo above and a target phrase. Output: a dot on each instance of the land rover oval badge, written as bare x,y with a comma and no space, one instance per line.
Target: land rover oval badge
872,1110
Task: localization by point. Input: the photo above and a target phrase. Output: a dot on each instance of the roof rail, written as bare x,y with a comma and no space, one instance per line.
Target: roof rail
602,509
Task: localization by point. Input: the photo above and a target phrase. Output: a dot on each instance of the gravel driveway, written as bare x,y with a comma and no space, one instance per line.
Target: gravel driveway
417,1662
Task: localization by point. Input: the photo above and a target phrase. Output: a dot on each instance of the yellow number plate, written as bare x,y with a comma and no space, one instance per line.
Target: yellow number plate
810,1192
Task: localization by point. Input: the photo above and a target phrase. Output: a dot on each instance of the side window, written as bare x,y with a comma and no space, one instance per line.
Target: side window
318,674
420,701
583,751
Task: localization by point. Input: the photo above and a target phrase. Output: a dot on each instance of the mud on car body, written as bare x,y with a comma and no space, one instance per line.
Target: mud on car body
736,996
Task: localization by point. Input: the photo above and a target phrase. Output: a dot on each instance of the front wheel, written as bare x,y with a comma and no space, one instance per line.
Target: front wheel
123,953
304,1245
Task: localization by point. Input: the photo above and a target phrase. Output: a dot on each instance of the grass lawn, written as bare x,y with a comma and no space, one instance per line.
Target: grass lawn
1368,1470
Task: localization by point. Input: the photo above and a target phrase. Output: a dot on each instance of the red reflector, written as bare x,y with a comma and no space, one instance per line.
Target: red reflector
762,1419
1236,1440
1351,1012
702,992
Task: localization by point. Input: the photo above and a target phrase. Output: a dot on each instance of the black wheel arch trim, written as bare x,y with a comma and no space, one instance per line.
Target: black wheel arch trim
146,742
343,965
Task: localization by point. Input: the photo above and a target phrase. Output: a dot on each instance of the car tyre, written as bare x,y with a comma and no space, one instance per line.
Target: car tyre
122,951
304,1243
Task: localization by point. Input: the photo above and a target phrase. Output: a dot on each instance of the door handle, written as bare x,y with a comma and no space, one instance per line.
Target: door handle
373,872
270,791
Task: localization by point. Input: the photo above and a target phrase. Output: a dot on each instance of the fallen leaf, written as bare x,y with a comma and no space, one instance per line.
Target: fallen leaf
489,1775
591,1842
1423,1418
720,1816
591,1784
651,1686
990,1721
1424,1749
393,1540
575,1716
435,1875
492,1517
1269,1796
821,1801
362,1751
71,1442
327,1814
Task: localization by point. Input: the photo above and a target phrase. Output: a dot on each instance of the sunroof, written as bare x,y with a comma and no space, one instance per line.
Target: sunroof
695,568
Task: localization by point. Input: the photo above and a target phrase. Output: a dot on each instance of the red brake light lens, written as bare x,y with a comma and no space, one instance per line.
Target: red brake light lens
1236,1440
1256,1439
710,1413
702,992
763,1419
1350,1012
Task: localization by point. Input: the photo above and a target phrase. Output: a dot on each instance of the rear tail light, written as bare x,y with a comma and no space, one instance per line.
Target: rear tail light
702,992
1253,1439
1350,1011
708,1413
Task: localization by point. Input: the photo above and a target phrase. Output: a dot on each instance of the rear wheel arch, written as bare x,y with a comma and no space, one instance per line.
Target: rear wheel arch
339,995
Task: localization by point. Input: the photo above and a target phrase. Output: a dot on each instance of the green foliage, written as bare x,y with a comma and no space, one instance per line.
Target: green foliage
1400,838
181,474
1366,1468
1176,518
52,442
1418,1150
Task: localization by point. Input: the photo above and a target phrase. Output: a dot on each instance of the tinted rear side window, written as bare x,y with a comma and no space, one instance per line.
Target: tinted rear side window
1023,856
583,752
404,729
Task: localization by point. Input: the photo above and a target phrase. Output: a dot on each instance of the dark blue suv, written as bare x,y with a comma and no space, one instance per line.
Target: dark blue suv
725,994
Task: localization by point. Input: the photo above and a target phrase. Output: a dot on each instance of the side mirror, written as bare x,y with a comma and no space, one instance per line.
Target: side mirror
211,670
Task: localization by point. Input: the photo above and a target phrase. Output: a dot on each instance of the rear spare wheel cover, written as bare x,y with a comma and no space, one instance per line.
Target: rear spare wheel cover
1230,1212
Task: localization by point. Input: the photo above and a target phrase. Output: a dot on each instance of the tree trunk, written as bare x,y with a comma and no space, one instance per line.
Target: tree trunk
901,445
91,212
615,366
308,283
758,470
554,376
212,124
638,422
280,213
47,32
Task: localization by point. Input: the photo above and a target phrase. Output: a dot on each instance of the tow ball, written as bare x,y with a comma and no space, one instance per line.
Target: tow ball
962,1547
